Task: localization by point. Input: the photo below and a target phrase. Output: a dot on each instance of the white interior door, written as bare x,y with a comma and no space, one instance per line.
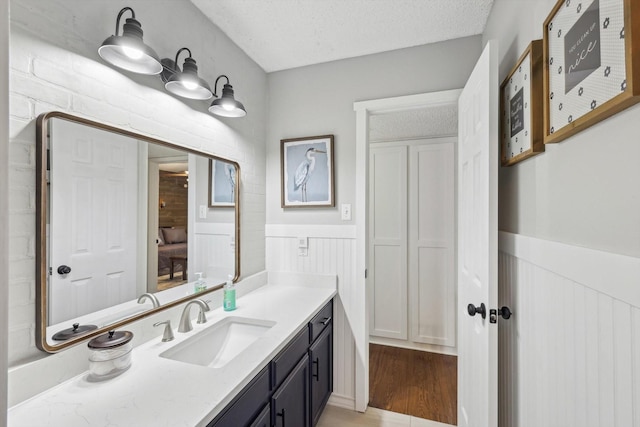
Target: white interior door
94,223
388,242
478,243
431,239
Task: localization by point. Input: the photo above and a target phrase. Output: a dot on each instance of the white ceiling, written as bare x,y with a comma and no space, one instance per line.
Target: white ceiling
282,34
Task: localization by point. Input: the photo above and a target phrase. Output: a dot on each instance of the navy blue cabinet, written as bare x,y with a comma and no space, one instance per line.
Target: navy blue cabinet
290,402
264,418
321,370
242,411
293,389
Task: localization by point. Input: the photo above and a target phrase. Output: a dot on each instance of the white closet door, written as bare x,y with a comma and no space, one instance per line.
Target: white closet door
432,296
388,242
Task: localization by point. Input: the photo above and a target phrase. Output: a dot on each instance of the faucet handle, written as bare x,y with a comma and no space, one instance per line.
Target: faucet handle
168,332
202,318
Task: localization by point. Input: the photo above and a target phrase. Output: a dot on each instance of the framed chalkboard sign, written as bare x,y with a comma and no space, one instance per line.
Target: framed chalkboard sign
521,108
590,71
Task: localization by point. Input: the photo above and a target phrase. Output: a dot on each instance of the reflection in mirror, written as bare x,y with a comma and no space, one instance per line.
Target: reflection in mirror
125,224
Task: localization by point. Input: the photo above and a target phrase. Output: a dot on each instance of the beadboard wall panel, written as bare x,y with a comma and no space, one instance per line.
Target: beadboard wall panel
331,251
570,355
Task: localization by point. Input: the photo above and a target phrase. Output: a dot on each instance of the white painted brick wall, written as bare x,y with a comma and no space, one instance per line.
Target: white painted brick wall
55,66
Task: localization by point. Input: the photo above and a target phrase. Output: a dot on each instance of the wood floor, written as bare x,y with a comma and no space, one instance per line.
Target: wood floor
412,382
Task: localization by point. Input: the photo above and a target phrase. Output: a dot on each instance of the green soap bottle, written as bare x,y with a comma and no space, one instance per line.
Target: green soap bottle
229,302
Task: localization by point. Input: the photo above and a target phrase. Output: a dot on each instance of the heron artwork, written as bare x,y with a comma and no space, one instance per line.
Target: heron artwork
305,171
230,174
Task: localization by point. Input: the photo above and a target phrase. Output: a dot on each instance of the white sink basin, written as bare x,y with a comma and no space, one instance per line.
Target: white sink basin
217,345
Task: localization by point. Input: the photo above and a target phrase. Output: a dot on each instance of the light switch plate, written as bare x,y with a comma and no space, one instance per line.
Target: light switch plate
203,211
346,211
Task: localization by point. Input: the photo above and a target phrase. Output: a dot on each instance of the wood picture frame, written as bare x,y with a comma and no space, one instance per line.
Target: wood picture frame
222,184
591,63
306,172
521,130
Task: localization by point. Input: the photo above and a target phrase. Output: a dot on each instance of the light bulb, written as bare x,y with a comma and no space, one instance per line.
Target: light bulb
228,106
189,85
131,52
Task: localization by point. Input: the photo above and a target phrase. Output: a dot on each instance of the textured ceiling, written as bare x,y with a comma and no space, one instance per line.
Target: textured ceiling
282,34
428,122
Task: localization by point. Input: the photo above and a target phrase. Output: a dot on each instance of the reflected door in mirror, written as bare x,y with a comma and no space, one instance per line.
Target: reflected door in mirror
94,193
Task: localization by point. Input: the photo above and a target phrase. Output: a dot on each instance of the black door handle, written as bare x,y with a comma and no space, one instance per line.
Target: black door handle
64,269
473,310
316,362
505,312
281,414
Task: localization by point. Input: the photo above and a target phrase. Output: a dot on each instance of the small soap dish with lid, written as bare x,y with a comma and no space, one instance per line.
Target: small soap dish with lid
109,355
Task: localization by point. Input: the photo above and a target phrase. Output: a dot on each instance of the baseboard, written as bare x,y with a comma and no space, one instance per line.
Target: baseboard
432,348
344,402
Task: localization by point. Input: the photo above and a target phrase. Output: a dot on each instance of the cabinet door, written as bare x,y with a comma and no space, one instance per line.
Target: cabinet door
245,408
321,381
290,402
264,419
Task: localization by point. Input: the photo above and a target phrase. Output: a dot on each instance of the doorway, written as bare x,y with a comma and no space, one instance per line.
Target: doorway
410,118
412,302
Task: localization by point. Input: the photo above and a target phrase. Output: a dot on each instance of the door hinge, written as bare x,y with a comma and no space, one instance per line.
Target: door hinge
365,273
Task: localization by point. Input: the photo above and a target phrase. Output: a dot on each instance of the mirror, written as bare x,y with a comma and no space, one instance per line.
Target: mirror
125,225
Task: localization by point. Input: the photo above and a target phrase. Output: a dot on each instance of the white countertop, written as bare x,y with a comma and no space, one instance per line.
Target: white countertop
161,392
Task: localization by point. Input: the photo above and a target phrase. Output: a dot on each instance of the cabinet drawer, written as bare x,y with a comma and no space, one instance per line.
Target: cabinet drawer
246,407
287,359
320,321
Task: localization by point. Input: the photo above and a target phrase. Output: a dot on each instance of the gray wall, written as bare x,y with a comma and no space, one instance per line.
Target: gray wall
583,191
318,100
4,205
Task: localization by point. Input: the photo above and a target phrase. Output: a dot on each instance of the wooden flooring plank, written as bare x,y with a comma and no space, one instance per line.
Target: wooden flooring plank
413,382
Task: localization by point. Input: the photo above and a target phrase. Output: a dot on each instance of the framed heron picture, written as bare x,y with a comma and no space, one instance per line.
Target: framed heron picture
307,172
222,184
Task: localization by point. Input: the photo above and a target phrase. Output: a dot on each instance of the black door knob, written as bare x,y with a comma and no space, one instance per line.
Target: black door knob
64,269
505,312
473,310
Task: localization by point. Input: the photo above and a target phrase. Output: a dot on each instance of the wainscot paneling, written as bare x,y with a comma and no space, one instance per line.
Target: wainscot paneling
331,251
570,355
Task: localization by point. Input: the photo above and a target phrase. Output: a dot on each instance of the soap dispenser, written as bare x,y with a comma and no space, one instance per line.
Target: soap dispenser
200,284
229,302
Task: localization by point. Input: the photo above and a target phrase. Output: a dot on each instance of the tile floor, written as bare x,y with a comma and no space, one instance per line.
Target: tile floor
339,417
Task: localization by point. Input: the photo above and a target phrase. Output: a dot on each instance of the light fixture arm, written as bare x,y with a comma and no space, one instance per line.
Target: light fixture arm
215,85
178,54
124,9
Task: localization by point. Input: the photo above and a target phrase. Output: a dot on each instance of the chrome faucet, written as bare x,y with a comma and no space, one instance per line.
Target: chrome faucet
185,320
152,297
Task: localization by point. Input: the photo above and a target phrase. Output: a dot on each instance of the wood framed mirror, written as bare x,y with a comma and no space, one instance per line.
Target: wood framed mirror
123,228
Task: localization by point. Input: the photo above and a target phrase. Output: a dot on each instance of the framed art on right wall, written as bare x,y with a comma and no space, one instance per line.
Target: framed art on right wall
591,63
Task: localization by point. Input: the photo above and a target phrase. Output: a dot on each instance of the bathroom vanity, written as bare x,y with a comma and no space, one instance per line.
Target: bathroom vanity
283,377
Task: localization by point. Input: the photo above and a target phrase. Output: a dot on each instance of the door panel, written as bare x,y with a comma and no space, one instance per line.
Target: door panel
388,242
432,243
101,169
478,246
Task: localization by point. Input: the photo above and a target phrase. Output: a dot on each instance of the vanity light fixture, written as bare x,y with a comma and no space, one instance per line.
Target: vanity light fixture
185,83
128,51
226,105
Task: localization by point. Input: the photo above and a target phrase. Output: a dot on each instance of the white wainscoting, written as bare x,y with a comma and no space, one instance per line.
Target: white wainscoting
331,251
570,355
214,246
